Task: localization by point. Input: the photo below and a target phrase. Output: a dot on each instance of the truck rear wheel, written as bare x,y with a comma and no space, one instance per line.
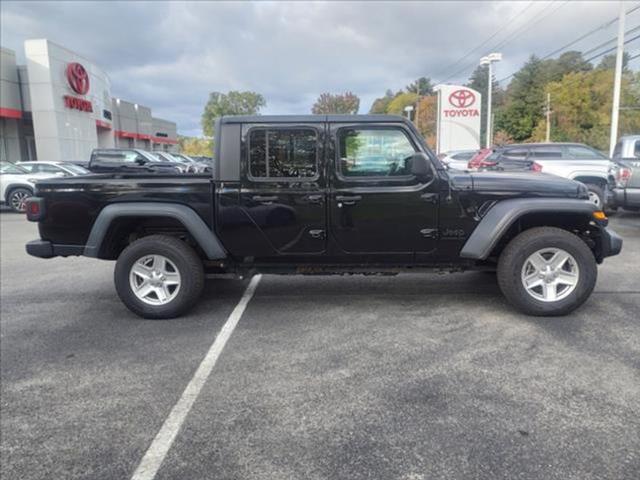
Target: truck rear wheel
547,271
159,277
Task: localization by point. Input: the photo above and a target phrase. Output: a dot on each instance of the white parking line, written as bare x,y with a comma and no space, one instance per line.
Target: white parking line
161,444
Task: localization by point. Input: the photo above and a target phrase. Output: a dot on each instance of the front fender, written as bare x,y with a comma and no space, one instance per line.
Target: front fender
202,234
502,215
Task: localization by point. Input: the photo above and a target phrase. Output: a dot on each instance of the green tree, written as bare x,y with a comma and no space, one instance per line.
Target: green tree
231,103
396,106
421,86
479,80
568,62
196,146
581,104
381,104
608,62
329,103
524,101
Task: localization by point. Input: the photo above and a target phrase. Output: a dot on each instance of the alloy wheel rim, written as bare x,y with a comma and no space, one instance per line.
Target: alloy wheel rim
155,279
550,274
19,201
594,198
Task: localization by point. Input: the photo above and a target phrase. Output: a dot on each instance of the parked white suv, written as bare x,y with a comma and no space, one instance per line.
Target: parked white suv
16,185
574,161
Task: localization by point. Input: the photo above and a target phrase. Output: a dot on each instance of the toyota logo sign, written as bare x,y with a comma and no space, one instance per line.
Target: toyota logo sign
462,98
78,78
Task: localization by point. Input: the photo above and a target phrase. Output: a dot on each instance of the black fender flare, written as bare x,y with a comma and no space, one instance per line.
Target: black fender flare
202,234
502,215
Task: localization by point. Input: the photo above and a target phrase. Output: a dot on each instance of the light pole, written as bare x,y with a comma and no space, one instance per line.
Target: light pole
489,60
408,109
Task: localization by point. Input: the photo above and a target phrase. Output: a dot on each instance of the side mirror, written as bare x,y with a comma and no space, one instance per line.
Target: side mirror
420,166
141,161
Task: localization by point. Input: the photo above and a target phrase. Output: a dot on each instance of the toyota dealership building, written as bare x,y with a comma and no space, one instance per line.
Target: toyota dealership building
59,107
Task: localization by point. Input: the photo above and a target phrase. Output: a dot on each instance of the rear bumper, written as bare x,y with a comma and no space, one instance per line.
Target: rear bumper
46,249
611,243
626,197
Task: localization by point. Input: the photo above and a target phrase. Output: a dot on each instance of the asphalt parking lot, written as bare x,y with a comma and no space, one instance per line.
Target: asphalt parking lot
410,377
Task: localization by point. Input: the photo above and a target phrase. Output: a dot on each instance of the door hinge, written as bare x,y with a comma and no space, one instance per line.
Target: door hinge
429,232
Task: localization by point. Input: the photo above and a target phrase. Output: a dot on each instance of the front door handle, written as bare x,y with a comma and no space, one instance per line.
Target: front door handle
430,197
348,200
264,199
314,198
316,233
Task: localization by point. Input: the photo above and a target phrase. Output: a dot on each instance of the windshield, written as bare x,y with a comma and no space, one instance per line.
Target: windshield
10,168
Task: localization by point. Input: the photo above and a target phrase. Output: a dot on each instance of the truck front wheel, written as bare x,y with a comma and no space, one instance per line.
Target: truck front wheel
547,271
159,277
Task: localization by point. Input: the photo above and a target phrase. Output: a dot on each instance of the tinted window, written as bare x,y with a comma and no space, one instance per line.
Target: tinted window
617,151
379,152
636,149
463,155
544,153
283,153
10,168
48,169
77,169
584,153
117,156
515,154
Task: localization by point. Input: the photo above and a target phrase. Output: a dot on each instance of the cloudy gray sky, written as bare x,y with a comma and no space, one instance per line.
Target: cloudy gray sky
169,56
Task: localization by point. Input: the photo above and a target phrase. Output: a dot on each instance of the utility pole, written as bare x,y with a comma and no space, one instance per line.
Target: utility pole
615,110
489,60
548,113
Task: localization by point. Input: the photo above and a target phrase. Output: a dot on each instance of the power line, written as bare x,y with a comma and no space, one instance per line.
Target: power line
591,32
611,49
523,28
529,26
466,55
604,44
596,48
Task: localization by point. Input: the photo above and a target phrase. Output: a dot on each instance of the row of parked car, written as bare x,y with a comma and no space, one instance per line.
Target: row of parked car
612,182
17,179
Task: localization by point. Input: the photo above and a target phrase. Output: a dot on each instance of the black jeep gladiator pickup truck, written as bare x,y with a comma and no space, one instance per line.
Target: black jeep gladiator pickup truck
321,195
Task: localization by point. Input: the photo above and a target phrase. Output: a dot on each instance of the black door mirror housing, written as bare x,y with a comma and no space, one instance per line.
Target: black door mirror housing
420,166
141,161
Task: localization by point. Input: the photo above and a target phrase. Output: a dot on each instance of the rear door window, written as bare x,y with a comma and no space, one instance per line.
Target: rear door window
515,154
283,153
546,153
584,153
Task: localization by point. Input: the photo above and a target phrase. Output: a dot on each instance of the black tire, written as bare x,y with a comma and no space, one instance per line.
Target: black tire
515,254
599,192
15,199
187,263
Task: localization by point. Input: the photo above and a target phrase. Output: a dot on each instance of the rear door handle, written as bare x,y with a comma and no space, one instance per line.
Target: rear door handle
264,199
348,200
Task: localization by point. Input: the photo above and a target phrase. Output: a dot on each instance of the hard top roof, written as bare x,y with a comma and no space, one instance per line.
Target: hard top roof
312,118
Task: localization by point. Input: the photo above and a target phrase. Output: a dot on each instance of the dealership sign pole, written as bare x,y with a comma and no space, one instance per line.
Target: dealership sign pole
458,125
